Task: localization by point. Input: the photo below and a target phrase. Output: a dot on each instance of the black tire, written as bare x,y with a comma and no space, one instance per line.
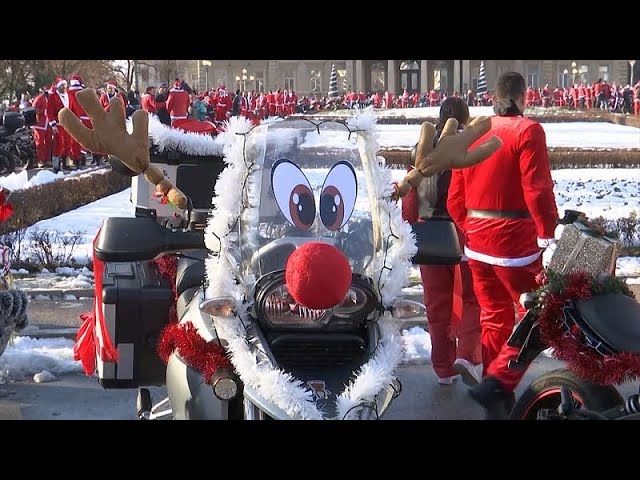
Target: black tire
545,393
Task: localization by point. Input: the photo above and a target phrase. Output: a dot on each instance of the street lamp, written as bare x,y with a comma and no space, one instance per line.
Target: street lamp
575,72
206,63
632,63
564,78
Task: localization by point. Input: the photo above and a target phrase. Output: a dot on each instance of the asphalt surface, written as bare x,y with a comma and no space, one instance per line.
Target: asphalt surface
77,397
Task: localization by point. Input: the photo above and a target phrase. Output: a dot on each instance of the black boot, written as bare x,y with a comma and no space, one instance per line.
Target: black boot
496,401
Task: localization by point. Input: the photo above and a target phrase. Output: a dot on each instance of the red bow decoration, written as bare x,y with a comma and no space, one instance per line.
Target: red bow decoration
164,198
6,209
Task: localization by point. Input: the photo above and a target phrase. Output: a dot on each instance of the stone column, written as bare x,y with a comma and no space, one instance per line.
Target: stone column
424,77
392,83
351,73
466,75
457,86
359,84
272,76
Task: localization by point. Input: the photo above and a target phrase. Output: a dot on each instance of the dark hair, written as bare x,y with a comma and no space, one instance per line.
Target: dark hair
510,87
453,107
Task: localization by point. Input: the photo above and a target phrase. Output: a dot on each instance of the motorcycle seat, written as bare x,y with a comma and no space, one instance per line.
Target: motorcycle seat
615,318
190,271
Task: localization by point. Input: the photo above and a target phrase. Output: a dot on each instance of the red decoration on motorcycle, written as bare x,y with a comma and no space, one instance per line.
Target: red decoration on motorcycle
318,275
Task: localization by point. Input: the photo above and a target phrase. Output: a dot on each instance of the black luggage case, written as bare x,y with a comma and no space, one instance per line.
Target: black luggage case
136,301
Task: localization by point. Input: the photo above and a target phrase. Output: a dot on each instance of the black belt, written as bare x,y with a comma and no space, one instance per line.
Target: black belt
498,213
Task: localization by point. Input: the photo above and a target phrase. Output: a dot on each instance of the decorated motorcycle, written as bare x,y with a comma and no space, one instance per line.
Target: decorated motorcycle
280,306
590,320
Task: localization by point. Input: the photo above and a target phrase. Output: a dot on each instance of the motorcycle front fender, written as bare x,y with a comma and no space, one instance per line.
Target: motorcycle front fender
526,337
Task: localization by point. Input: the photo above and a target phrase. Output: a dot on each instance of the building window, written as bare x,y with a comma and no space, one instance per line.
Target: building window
533,75
474,83
288,81
409,77
259,79
194,77
440,79
564,76
378,77
315,81
603,72
342,79
584,73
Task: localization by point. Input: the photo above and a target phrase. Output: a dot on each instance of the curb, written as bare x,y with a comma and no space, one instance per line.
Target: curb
59,294
53,332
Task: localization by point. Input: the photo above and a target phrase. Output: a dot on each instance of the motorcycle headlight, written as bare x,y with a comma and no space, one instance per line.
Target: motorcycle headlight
277,308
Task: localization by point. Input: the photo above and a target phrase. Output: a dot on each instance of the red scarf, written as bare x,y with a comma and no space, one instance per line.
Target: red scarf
85,348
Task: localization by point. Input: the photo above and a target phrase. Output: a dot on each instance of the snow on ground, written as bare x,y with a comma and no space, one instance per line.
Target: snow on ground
27,356
21,180
417,345
608,192
578,135
88,219
628,267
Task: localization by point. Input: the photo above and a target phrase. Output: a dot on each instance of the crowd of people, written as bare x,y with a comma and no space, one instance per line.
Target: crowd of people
55,148
505,233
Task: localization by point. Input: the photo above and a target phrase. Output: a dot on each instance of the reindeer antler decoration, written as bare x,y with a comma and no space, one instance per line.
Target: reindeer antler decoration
451,151
109,135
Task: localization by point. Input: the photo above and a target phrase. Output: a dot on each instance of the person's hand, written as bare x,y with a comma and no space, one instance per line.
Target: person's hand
109,135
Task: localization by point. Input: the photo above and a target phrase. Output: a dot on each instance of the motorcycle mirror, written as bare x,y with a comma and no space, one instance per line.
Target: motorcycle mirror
403,309
219,307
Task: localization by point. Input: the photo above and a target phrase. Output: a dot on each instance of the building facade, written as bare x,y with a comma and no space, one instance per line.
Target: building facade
307,77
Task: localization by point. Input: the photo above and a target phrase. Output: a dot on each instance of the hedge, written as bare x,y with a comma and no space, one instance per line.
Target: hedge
558,157
41,202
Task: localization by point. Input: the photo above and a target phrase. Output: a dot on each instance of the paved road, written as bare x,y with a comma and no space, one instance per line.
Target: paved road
75,396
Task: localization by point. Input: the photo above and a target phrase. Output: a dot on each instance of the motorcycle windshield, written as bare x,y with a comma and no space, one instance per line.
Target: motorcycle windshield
310,187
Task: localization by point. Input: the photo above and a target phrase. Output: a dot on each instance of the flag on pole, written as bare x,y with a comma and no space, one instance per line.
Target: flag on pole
333,82
482,81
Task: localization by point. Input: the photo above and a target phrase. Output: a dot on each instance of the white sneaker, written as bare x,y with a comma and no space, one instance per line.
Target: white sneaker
468,371
448,380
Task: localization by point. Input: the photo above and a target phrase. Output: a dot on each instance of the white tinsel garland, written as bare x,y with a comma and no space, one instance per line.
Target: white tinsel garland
278,387
190,143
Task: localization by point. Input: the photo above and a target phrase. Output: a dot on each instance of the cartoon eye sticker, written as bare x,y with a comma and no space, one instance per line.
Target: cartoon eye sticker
293,194
338,197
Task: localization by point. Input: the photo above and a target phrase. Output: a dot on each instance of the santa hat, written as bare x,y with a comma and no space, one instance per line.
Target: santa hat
112,83
76,81
60,81
176,84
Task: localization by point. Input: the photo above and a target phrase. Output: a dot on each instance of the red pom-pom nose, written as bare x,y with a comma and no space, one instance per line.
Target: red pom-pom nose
318,275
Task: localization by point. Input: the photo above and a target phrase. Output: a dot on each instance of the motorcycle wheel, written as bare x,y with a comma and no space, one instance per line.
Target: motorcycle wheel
545,393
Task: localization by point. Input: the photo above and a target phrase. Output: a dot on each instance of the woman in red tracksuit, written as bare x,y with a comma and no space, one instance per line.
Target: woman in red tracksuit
455,332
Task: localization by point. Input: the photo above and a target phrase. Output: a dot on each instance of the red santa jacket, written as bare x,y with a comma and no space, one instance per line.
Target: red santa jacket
178,103
55,103
515,178
40,105
148,103
106,98
74,105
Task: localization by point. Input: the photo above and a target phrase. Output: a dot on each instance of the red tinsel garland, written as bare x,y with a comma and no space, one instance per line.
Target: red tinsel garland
206,357
168,267
583,360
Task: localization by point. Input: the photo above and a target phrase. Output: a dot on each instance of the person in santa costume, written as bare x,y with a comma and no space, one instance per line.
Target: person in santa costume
452,308
76,85
56,101
112,91
506,208
178,102
41,129
223,105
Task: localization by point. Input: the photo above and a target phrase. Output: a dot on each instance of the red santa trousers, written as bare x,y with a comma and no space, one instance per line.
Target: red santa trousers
498,291
62,143
42,139
76,148
438,283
